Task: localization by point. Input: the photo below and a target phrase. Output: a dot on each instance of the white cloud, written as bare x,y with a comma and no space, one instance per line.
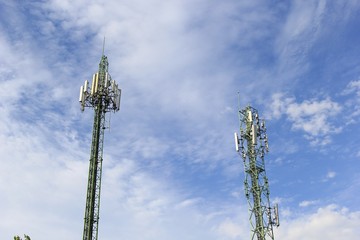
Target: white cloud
307,203
279,105
330,222
314,117
330,174
230,229
277,200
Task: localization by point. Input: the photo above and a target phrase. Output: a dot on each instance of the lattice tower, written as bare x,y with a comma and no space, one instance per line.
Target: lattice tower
252,145
103,95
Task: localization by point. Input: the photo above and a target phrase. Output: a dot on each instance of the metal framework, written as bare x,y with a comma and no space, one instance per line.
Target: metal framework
104,96
252,146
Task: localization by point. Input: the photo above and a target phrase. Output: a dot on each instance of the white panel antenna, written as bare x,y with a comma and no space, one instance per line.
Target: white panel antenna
96,82
236,142
106,80
81,97
92,91
254,134
250,115
277,218
86,85
118,99
113,85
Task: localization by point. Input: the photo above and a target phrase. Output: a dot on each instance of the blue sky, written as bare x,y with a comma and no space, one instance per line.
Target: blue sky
170,168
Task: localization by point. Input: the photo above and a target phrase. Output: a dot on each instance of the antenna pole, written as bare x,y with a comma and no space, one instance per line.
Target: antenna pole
103,96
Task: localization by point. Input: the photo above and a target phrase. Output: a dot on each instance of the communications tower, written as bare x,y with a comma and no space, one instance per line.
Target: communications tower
252,146
103,95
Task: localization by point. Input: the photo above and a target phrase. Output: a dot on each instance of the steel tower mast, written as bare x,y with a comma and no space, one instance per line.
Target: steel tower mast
104,96
252,145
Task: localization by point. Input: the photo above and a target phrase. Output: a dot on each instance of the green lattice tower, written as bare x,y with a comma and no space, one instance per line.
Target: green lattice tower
253,145
103,95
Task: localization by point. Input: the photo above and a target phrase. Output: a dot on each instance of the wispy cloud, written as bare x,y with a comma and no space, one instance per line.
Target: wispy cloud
352,88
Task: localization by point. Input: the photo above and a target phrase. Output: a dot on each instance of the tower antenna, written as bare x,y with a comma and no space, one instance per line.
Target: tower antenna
252,146
103,95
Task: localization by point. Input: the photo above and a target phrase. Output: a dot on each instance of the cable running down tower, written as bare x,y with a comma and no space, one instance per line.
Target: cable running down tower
252,146
103,95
